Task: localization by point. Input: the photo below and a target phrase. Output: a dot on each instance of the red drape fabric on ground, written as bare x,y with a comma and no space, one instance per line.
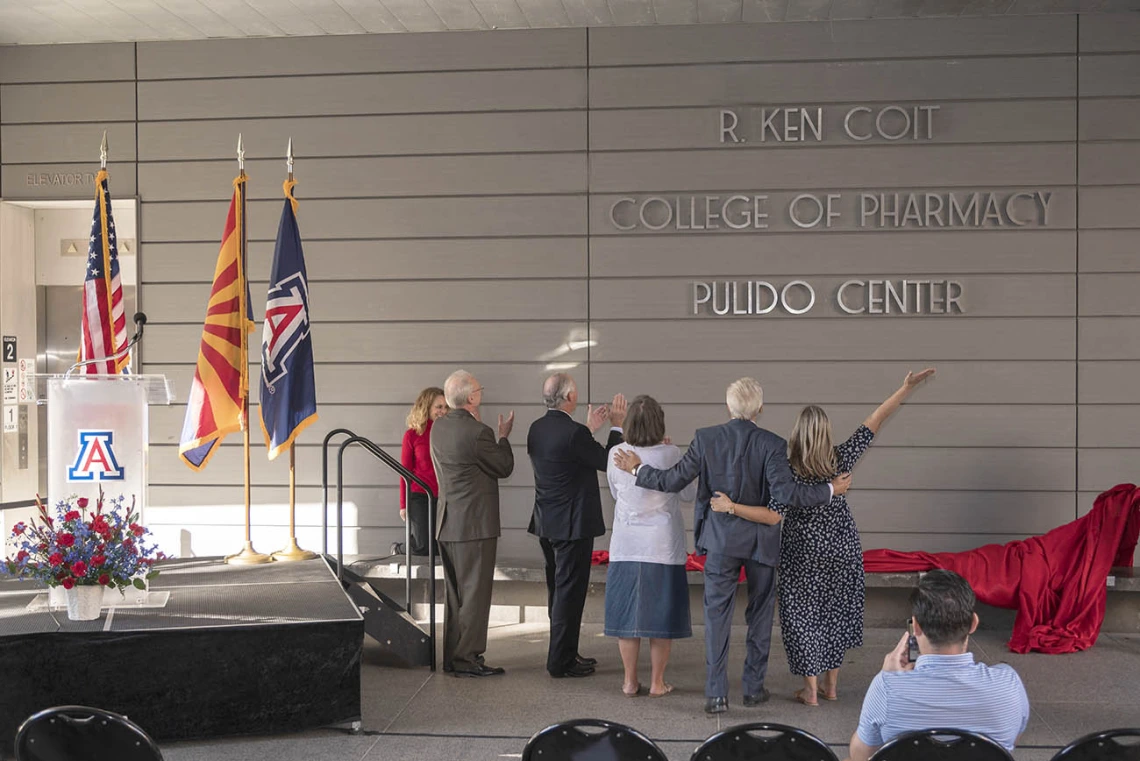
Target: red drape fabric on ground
1056,582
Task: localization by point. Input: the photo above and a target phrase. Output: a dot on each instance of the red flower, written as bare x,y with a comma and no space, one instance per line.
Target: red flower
73,515
98,560
104,579
56,559
82,502
19,528
68,583
79,568
128,542
137,530
65,540
21,555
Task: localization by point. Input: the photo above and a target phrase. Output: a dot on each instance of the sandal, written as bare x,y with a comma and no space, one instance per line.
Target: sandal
798,696
636,692
668,689
825,696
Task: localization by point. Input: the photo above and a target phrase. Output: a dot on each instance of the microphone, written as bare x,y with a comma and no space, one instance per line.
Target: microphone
140,322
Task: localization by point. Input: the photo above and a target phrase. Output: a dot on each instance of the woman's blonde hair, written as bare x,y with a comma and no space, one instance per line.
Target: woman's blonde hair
421,411
810,451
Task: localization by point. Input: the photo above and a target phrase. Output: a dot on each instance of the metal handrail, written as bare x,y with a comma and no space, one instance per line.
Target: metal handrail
409,478
325,485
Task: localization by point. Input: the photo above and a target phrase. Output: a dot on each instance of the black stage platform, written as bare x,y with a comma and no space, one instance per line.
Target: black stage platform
237,650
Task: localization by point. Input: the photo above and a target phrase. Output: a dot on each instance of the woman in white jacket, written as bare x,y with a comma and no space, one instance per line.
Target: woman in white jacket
647,589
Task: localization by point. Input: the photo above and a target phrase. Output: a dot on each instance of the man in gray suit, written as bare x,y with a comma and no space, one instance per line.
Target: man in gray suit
747,463
468,464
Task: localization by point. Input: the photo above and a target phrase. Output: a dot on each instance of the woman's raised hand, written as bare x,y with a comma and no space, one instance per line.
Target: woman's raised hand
913,379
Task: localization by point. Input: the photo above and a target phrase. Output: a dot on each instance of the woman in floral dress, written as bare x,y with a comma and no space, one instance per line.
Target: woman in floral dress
821,585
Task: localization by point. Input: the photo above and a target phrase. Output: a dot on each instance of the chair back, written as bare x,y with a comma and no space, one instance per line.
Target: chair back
78,733
1109,745
942,745
760,741
591,740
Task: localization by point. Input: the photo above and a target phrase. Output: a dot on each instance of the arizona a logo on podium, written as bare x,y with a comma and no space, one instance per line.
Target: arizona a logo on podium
96,459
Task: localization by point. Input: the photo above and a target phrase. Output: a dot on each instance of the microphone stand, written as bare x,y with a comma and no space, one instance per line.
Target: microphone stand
140,323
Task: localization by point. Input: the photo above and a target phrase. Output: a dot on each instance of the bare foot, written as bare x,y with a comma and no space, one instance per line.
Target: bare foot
800,697
665,690
631,690
828,695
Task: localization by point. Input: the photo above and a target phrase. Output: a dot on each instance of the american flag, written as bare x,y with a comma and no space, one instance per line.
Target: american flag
104,328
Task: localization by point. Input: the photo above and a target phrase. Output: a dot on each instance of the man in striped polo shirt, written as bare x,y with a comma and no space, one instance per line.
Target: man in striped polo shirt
944,688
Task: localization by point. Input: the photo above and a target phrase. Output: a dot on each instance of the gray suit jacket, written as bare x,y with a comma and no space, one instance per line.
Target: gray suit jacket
468,464
750,465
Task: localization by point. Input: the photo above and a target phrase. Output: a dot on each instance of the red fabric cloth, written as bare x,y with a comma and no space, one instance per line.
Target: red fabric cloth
415,455
1056,582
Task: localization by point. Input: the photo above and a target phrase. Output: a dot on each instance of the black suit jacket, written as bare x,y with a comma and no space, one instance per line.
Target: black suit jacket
566,459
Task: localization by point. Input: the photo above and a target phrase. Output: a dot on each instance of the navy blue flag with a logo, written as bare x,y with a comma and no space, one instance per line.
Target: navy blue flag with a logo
288,391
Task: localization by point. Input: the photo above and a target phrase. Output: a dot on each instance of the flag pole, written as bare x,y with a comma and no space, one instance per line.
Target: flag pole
248,556
293,551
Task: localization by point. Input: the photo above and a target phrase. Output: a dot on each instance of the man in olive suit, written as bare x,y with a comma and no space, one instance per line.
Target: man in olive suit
469,462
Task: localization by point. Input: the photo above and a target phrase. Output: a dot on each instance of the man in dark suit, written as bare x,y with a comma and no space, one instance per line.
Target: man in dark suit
568,510
737,458
468,464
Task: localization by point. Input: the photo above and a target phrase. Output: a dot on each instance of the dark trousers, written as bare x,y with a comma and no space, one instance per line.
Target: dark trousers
721,576
418,524
468,570
567,582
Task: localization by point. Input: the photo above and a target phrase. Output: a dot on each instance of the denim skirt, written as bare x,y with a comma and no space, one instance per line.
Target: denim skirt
647,600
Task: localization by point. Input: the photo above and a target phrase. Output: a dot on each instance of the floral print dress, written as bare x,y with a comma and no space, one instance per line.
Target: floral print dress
821,584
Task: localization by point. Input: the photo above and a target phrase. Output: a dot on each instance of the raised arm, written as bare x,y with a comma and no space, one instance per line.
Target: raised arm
495,458
722,504
895,400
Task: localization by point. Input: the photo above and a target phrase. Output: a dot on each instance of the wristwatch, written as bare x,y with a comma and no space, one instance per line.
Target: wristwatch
732,508
636,468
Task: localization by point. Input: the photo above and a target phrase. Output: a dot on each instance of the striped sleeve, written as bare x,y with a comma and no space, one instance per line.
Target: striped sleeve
874,714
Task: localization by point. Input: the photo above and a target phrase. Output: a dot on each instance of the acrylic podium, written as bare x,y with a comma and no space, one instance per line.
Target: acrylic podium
98,433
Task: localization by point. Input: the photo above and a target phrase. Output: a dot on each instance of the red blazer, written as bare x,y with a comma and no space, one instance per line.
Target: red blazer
415,454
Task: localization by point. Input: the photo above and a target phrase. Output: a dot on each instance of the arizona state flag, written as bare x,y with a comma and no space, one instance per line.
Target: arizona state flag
288,392
221,380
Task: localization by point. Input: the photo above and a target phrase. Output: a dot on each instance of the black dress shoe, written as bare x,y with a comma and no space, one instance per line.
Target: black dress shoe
582,661
476,671
574,671
716,705
760,697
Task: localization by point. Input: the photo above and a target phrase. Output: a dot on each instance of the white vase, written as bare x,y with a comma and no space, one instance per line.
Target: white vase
84,602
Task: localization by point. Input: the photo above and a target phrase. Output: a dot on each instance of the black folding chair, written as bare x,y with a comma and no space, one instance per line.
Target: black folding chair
591,740
942,745
78,733
1103,746
763,742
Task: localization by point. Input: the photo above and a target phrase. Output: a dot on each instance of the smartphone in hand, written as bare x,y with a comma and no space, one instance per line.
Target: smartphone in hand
911,642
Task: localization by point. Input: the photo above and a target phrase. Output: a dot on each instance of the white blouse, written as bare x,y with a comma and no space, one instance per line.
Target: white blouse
648,527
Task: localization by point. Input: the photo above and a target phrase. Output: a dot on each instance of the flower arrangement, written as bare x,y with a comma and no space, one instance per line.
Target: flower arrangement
82,547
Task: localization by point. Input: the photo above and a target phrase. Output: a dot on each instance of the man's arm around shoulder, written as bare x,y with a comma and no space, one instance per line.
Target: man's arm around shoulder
679,476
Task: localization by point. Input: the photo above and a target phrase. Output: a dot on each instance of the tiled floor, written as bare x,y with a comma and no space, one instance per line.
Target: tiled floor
413,715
